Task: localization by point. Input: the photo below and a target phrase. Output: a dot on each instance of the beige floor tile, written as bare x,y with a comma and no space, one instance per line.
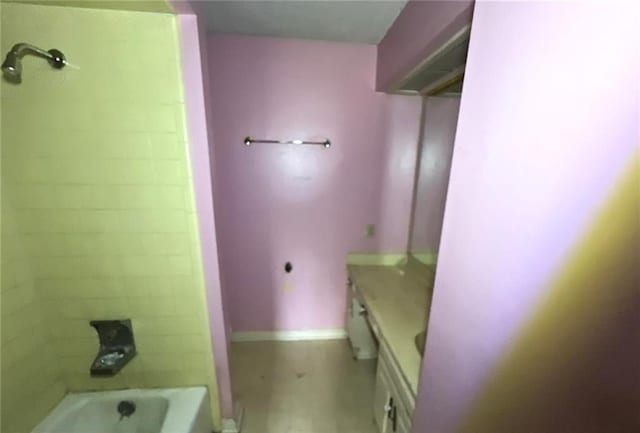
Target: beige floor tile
303,387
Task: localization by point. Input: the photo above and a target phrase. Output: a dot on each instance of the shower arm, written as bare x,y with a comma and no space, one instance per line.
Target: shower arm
55,57
19,50
12,64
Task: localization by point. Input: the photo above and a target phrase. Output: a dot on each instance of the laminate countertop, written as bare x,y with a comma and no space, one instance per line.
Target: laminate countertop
399,304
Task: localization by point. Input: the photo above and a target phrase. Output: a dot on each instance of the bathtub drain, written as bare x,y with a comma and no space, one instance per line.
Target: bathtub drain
126,408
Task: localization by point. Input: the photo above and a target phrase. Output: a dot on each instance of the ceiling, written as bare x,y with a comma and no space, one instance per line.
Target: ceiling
356,21
364,21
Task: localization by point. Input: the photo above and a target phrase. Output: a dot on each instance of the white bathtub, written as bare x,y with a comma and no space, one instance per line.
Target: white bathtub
174,410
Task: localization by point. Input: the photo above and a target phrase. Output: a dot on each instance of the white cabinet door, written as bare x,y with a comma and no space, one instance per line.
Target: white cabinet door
398,413
381,402
397,419
396,378
403,420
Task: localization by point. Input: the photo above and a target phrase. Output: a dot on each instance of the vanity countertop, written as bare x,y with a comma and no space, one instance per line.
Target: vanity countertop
399,303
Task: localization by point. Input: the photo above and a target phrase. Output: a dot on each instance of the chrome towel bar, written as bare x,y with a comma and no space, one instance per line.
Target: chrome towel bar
248,141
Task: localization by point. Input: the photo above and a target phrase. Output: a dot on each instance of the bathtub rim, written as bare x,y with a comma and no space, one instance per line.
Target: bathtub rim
188,407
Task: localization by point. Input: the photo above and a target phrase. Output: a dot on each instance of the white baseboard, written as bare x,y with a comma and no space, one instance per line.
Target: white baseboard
234,425
428,258
376,259
307,334
229,426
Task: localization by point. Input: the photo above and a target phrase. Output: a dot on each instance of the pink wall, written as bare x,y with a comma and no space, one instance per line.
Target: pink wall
195,78
307,205
422,27
534,322
439,130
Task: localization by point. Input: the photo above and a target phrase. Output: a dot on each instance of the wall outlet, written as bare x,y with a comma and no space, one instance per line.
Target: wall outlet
287,286
370,231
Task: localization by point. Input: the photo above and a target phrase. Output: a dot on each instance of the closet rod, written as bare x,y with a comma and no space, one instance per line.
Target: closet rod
248,141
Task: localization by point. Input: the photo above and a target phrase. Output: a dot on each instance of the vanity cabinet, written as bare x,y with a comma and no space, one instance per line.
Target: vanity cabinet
387,309
361,328
382,402
393,402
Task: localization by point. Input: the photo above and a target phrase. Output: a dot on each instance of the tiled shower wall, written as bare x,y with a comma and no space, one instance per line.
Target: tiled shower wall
30,376
96,160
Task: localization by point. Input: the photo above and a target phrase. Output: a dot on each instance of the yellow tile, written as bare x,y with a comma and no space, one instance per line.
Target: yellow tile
103,223
170,172
153,306
79,347
130,145
161,118
72,328
179,265
166,146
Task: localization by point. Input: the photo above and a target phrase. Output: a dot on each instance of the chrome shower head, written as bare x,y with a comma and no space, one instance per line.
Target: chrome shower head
12,65
12,68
